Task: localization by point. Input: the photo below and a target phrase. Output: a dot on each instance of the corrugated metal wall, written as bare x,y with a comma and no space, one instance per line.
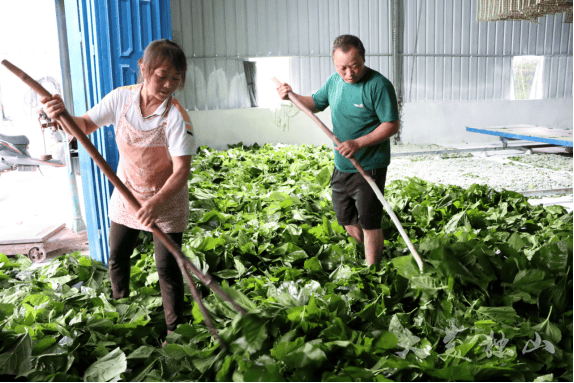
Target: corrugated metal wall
446,54
449,56
218,34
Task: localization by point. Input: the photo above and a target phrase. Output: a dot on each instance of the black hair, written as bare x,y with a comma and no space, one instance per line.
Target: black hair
161,51
346,42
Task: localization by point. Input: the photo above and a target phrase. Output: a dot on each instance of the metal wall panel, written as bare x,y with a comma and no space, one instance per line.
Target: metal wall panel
215,84
446,54
218,34
449,56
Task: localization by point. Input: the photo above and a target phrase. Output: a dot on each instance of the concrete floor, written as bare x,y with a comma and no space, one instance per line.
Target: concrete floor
564,200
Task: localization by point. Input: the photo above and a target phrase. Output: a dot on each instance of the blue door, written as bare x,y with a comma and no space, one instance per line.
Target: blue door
106,38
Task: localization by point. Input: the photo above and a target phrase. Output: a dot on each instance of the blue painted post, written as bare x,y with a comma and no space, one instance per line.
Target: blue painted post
105,39
78,223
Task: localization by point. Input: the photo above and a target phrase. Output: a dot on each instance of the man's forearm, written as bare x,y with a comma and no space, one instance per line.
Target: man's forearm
308,102
381,133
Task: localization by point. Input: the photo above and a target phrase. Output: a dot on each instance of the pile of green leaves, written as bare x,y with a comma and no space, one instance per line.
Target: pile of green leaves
494,301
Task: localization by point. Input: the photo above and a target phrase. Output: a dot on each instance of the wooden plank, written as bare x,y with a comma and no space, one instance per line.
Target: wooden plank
29,234
553,136
499,144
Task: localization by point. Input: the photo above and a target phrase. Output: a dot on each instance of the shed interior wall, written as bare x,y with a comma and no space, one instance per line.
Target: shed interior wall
423,123
456,72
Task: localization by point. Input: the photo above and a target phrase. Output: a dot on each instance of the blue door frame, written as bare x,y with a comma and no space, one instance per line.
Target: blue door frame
105,40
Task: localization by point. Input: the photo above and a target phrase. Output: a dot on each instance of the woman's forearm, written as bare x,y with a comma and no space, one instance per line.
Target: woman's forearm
175,182
84,123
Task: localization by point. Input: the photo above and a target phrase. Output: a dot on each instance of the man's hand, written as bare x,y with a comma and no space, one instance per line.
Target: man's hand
348,148
283,91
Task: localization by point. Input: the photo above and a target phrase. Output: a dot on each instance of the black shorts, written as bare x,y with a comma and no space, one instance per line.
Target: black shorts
354,199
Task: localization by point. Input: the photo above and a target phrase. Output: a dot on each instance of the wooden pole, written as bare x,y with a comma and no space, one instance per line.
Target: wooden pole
360,169
184,264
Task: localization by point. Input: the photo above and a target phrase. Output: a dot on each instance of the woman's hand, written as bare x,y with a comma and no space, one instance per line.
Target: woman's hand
148,213
53,106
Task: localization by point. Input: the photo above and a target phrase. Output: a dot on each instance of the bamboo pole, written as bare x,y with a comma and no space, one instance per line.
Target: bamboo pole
184,264
360,169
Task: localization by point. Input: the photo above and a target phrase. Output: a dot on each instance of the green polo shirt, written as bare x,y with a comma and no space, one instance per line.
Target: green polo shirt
356,110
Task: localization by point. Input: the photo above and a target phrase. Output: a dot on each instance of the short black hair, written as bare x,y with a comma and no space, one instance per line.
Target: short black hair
346,42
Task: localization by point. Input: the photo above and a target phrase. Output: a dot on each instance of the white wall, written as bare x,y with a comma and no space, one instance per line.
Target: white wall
457,72
287,125
446,122
436,123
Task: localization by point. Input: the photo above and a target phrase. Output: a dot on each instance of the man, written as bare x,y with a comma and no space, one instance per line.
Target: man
365,115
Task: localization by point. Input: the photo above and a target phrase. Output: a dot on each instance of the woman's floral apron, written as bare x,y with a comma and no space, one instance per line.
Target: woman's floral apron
144,167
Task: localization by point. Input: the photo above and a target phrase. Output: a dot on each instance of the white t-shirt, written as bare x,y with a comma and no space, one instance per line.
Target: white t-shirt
179,131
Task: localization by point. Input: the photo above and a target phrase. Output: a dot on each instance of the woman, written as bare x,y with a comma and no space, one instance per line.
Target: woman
155,139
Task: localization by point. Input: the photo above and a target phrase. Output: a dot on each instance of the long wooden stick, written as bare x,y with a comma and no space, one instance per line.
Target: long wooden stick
360,169
184,264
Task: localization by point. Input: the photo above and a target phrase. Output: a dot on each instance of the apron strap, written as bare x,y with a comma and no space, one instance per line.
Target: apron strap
130,100
167,108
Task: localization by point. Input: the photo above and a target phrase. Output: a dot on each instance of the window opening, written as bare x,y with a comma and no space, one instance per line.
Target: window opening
264,89
527,74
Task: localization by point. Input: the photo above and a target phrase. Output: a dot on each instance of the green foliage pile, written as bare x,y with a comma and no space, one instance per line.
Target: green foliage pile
494,301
